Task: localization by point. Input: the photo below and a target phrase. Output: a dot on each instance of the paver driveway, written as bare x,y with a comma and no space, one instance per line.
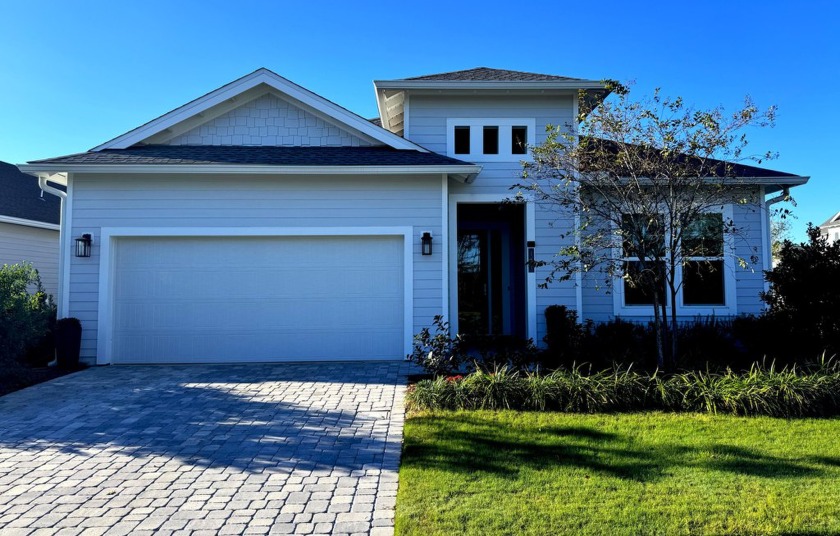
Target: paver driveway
195,449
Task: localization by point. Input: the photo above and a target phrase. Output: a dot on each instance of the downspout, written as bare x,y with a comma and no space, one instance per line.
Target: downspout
63,304
784,196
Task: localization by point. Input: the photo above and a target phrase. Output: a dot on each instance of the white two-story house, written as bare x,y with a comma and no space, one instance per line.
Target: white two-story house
262,222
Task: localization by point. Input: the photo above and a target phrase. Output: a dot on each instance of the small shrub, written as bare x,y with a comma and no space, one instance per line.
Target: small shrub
25,311
564,336
439,354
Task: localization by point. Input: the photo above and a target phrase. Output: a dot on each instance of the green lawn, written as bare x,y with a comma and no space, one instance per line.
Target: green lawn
647,473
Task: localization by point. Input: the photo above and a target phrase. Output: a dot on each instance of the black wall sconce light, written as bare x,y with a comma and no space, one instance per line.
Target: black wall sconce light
83,244
426,243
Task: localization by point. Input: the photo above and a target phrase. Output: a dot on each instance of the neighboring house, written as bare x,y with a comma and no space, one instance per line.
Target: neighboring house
28,225
831,228
262,222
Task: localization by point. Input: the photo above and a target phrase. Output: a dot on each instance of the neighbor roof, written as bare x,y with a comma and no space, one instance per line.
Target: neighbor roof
254,155
20,197
832,221
488,74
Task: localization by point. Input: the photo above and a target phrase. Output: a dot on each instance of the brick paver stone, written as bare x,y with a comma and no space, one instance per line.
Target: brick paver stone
204,449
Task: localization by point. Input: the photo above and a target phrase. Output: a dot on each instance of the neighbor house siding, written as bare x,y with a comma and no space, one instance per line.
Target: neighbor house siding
427,126
247,201
19,243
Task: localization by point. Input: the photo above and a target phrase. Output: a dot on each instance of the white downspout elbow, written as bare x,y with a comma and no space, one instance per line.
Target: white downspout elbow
42,183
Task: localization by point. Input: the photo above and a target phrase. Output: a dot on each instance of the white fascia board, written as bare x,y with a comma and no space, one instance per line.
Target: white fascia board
253,169
275,81
472,84
29,223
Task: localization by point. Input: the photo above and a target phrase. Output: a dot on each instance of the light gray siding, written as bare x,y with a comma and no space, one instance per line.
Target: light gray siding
19,243
427,116
247,201
269,120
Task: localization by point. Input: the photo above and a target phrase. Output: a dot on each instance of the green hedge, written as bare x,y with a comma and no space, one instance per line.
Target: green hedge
788,392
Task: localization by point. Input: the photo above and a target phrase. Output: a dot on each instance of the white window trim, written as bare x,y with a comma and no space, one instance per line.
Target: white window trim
107,265
729,285
477,138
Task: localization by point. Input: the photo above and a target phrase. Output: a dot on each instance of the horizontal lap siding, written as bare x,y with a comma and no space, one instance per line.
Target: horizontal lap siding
19,243
243,201
427,126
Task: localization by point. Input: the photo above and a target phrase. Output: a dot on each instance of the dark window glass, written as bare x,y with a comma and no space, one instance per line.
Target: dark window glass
643,236
519,140
639,284
704,237
703,283
491,140
462,140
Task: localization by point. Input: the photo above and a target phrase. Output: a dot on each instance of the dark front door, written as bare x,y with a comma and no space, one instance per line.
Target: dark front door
491,269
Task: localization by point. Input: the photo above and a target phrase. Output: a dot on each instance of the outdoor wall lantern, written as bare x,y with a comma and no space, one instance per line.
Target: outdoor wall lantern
83,245
426,243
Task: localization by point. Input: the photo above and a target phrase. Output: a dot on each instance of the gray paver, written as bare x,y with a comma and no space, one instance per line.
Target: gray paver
229,449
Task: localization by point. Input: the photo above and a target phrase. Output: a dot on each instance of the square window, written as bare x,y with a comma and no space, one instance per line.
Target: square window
519,140
637,284
462,140
704,237
703,283
643,236
491,140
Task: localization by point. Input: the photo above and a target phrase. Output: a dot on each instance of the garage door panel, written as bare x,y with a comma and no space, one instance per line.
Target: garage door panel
220,299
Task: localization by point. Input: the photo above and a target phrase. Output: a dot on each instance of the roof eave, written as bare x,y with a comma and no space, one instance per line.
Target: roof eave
489,84
250,169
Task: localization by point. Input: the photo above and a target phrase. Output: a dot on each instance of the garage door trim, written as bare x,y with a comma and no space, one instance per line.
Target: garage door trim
108,236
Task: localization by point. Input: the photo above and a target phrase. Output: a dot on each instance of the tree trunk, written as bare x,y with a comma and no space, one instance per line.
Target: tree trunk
657,329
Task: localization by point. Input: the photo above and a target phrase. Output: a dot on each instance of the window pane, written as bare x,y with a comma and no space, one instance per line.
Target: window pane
462,140
643,236
519,140
704,237
703,283
638,286
491,140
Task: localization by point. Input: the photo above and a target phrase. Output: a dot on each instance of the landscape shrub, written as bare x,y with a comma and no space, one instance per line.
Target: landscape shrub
804,296
26,311
438,353
762,390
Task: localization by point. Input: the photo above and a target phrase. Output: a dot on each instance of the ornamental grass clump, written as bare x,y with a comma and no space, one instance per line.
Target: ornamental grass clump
763,390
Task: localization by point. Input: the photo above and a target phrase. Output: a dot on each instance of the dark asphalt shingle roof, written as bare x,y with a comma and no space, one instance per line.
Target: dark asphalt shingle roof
255,155
20,197
486,74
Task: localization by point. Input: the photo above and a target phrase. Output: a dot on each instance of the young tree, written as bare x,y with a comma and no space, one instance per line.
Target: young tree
646,182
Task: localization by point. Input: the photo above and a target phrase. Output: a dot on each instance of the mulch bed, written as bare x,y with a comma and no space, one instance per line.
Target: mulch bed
16,376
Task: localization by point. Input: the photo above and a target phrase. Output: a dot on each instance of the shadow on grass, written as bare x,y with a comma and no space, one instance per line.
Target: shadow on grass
465,444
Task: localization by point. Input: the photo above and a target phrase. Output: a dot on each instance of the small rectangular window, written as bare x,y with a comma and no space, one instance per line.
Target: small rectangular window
703,283
491,140
519,140
462,140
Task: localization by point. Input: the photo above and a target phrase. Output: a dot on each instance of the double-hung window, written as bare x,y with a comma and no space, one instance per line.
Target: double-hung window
642,243
703,281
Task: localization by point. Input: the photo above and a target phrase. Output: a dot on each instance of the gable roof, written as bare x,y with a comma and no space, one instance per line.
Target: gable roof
832,221
228,93
488,74
20,198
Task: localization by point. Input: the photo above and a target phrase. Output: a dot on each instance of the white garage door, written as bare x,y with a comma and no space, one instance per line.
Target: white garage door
241,299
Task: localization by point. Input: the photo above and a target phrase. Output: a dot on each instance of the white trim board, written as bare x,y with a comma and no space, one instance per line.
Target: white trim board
108,236
29,223
452,268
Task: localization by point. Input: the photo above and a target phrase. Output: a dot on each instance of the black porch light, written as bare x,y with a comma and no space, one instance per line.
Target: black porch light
83,245
426,243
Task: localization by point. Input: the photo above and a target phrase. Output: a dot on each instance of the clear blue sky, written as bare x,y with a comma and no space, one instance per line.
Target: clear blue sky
75,74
